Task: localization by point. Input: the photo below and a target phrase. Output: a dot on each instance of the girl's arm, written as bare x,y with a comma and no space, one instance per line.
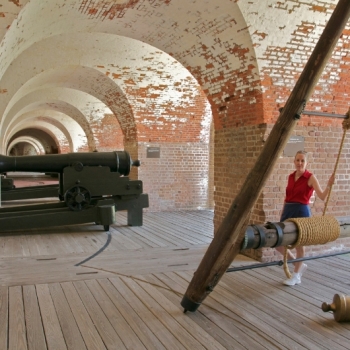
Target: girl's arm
313,182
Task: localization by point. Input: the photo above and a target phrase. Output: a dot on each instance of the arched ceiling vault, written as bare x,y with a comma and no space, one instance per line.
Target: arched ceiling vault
72,131
49,126
142,42
85,80
27,139
150,60
118,76
49,144
68,115
176,27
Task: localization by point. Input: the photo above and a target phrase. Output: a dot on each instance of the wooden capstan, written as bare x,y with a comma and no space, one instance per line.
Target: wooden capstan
228,239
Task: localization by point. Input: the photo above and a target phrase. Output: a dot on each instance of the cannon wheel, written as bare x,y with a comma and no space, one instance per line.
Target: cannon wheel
77,198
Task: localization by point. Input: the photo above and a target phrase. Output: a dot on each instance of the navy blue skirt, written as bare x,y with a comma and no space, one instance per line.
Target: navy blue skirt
295,210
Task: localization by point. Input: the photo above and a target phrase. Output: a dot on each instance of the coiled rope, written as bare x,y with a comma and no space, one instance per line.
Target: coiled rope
312,231
318,230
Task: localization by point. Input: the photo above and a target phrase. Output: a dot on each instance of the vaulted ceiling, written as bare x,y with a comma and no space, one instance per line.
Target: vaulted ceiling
67,66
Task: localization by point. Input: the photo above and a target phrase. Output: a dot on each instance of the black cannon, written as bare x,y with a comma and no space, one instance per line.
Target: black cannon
118,161
92,187
55,164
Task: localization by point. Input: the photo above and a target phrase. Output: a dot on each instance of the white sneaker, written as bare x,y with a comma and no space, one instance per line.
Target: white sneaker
302,269
295,279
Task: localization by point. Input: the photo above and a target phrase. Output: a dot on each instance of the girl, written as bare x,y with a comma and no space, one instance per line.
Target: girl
300,187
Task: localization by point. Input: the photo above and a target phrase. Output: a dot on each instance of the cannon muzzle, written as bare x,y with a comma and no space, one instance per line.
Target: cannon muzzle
118,161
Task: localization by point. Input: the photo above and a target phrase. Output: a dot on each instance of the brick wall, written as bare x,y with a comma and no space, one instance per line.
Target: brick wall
179,179
107,132
322,145
236,151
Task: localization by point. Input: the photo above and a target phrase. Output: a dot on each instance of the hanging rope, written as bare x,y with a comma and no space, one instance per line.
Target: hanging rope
346,127
318,230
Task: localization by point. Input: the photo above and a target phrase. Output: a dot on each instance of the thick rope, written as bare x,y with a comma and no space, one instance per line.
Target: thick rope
318,230
312,231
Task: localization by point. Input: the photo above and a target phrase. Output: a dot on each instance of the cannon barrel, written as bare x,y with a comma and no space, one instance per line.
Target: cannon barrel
117,161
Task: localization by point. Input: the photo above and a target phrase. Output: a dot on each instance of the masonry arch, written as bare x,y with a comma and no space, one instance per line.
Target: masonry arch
68,115
36,145
48,143
55,130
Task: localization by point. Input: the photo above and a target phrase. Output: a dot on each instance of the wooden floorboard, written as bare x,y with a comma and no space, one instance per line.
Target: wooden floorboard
34,325
70,329
4,317
53,331
79,287
230,332
17,330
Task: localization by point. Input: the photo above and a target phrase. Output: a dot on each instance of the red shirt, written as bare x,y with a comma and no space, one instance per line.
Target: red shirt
299,191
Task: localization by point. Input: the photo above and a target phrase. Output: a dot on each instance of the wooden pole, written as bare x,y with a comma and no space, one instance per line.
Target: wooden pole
228,239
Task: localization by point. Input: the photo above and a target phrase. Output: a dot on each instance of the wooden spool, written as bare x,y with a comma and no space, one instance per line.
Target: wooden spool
340,307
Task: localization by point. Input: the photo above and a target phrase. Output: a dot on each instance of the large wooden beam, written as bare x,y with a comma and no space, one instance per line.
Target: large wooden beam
228,239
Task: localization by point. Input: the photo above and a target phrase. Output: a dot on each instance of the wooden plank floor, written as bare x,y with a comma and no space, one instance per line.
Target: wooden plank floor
68,288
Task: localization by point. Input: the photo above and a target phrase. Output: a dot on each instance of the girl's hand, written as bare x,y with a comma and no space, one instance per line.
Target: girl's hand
331,180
